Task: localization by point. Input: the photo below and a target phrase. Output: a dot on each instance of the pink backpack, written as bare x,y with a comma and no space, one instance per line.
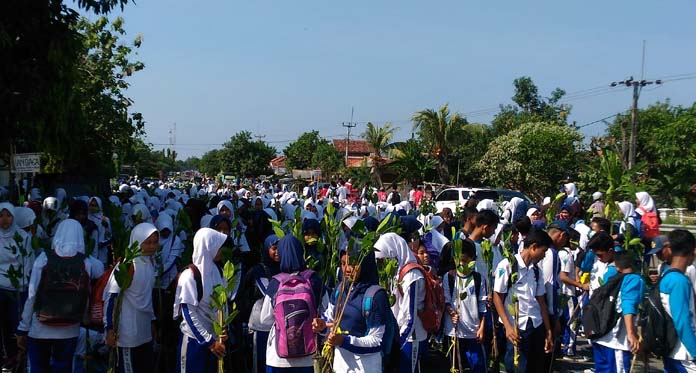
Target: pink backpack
293,310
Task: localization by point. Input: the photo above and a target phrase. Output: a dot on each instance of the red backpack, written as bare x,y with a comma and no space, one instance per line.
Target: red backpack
431,314
650,224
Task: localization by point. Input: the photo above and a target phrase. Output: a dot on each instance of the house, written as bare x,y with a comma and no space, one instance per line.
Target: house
278,165
359,151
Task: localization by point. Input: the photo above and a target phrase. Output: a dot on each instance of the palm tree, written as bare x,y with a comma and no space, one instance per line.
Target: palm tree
440,132
378,137
411,161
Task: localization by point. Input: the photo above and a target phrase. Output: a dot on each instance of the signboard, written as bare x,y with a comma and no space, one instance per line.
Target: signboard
27,162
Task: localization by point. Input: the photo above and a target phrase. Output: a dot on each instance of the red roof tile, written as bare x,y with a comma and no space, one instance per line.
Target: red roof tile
356,147
279,161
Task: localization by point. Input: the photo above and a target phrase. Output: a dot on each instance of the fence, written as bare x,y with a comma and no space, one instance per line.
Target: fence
677,218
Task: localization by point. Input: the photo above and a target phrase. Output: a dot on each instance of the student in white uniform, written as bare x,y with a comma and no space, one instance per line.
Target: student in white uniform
531,332
52,331
410,298
134,334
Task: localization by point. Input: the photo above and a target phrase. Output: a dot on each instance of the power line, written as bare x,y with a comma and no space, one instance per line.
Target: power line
349,125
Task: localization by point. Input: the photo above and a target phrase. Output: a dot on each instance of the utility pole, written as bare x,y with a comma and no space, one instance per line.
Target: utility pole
260,137
349,125
633,140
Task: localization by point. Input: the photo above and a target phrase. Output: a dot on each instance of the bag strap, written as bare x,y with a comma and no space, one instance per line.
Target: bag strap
367,299
199,280
407,268
450,280
477,284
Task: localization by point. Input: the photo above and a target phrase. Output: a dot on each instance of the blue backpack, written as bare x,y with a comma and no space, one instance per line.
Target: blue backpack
390,339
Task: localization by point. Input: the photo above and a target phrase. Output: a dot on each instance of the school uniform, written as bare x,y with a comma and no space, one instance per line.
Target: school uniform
471,311
137,314
51,348
10,256
570,308
611,352
195,310
410,298
677,295
361,350
530,322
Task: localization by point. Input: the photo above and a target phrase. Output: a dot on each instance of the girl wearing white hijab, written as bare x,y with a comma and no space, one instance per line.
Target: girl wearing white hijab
51,348
645,203
135,331
410,297
199,346
629,220
11,238
103,228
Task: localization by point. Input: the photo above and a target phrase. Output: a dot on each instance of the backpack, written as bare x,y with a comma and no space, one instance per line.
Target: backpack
452,273
390,339
293,310
650,224
431,314
599,316
63,291
659,335
96,300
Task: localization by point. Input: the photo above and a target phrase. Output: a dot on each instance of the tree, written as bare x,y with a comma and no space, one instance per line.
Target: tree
412,162
478,137
441,133
211,163
534,158
378,137
327,158
300,152
63,79
666,147
530,106
190,163
244,157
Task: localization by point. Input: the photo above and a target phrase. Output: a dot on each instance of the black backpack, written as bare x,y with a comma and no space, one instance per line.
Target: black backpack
659,335
600,316
63,291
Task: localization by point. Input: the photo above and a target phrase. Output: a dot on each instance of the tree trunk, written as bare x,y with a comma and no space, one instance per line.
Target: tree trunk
443,171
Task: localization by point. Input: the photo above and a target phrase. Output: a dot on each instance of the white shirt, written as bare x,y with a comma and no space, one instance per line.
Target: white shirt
137,314
527,288
599,268
567,266
468,308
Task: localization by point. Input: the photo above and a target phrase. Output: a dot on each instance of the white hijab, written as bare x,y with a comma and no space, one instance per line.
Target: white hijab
24,217
646,202
391,245
628,211
96,217
8,234
164,221
206,244
139,293
69,239
227,203
571,190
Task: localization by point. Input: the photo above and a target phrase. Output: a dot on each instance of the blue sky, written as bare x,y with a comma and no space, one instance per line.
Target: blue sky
280,68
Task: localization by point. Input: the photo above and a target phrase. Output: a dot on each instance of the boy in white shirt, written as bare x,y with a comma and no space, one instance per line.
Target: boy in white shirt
531,330
466,299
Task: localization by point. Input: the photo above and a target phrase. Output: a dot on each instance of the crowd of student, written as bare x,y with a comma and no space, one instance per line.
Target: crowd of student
493,284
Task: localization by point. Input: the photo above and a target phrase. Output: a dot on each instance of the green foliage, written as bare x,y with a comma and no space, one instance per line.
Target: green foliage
211,162
534,157
441,133
300,152
327,158
478,138
242,156
665,144
412,162
379,138
530,106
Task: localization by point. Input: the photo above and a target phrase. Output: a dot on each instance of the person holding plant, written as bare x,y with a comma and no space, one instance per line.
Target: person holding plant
519,298
52,328
410,298
254,289
357,316
290,306
199,346
133,334
11,283
466,298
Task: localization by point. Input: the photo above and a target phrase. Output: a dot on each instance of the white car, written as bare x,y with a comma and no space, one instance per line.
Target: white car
450,197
